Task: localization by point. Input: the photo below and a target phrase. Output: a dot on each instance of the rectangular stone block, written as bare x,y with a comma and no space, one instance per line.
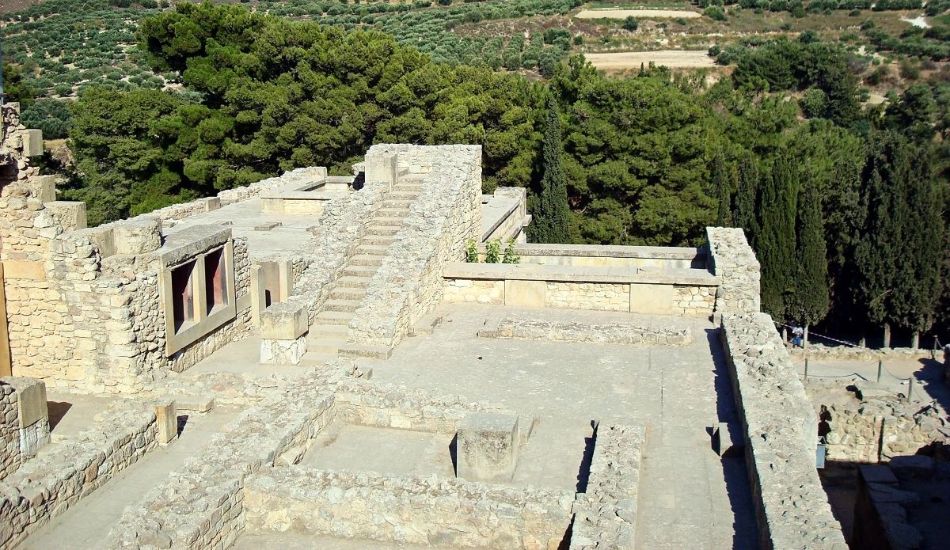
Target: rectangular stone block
651,299
32,143
71,215
487,446
283,352
166,419
31,400
525,293
285,321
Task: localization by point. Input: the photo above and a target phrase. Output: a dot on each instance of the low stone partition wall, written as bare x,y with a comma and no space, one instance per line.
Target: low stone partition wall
449,513
446,214
587,255
367,403
781,433
689,292
505,215
819,352
24,421
614,333
605,516
872,424
201,506
56,479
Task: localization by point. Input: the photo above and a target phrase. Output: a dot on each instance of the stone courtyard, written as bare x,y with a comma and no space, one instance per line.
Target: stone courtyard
309,361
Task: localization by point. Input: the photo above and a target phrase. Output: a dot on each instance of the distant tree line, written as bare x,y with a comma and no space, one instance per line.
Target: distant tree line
845,206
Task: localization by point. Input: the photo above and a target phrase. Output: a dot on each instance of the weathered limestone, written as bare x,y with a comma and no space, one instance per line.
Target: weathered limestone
166,421
616,333
24,421
605,515
733,261
781,431
283,330
487,447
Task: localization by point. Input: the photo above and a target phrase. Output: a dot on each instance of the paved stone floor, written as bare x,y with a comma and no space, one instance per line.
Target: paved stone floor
689,497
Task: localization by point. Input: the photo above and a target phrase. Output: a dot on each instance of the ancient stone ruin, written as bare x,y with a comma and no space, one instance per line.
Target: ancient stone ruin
310,360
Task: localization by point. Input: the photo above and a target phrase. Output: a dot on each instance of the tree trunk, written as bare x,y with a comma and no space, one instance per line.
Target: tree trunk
887,335
805,337
915,340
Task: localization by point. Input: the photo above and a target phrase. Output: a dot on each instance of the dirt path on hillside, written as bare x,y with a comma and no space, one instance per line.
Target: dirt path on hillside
623,14
674,59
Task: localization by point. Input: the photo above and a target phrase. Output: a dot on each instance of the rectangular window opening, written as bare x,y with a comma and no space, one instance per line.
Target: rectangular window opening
216,283
183,295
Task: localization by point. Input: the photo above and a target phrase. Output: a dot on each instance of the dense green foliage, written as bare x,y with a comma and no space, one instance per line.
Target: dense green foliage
650,159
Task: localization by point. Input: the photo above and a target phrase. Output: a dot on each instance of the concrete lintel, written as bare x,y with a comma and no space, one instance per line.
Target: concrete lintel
191,241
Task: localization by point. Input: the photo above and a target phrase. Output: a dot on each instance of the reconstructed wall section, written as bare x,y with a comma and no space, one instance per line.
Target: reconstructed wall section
449,513
447,213
781,433
616,333
605,515
733,261
47,485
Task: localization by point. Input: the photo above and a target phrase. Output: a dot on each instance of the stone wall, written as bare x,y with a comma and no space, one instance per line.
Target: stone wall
9,431
878,424
591,255
441,220
781,434
687,292
388,406
47,485
605,515
733,261
615,333
202,506
449,513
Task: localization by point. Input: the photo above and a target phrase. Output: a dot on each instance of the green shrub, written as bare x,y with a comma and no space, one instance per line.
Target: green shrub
631,24
715,13
492,252
471,251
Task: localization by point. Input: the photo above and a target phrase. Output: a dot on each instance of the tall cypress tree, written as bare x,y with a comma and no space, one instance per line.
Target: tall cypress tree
878,252
723,179
810,302
553,212
744,213
776,242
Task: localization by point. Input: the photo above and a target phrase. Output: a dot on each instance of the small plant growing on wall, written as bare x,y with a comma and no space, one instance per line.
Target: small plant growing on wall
510,256
471,251
492,252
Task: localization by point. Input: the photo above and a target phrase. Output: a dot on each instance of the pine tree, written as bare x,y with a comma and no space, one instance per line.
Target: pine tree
776,243
810,302
553,213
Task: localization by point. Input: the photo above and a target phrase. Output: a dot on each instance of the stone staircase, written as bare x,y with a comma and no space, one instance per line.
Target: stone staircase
329,332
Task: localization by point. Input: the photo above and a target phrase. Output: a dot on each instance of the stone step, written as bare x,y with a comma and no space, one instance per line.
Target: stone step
387,220
365,350
327,332
367,260
399,213
341,305
372,249
396,203
340,293
353,281
408,186
333,318
325,345
399,194
383,230
359,271
377,240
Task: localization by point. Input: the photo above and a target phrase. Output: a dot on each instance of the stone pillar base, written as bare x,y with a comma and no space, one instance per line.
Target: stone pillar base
487,447
283,352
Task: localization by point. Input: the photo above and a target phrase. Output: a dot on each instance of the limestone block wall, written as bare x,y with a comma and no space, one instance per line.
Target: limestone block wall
9,431
389,406
879,425
16,144
590,255
733,261
203,505
446,214
601,333
410,510
688,292
605,515
47,485
781,435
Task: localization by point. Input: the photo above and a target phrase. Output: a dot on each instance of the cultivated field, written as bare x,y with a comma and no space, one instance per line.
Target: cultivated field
623,14
674,59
